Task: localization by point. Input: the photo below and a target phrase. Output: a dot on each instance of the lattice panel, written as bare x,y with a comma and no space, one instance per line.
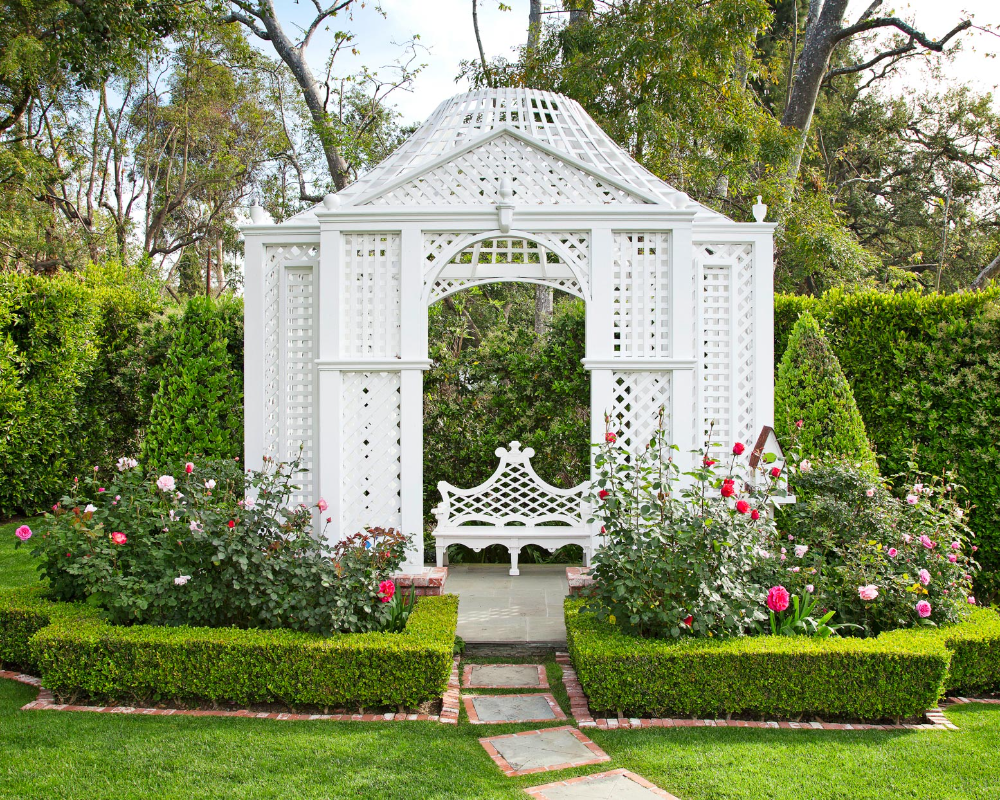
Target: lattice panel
554,119
635,407
641,299
300,370
743,352
716,345
474,177
278,258
506,259
370,308
573,251
371,451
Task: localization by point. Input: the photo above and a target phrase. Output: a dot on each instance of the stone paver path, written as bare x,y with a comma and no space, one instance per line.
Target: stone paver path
543,751
497,607
505,676
617,785
510,708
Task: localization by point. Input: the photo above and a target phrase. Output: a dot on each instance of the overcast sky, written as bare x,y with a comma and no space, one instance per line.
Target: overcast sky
445,29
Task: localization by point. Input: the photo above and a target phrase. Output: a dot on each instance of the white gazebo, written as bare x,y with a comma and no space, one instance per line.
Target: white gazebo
497,185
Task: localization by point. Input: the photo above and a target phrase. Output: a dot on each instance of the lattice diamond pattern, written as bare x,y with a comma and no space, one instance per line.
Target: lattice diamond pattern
743,352
474,178
635,407
370,310
300,369
516,495
716,366
371,451
276,259
641,300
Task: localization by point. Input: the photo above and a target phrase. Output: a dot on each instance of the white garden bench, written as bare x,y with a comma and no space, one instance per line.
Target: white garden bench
510,509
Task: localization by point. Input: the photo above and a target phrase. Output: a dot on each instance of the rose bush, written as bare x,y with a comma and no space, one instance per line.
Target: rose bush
679,553
210,545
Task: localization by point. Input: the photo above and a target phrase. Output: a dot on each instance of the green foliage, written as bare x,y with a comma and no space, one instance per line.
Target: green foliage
481,393
87,658
211,547
678,559
769,676
24,612
811,387
198,408
925,372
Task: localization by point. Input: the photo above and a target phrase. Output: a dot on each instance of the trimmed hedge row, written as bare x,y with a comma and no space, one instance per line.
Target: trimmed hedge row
925,371
867,679
80,656
975,649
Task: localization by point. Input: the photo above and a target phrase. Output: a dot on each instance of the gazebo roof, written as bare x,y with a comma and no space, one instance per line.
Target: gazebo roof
526,125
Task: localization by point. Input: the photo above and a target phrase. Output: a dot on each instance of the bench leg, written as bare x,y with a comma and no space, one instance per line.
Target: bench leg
514,550
586,556
442,554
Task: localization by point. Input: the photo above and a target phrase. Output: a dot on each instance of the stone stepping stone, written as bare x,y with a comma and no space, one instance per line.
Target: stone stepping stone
542,751
504,676
619,784
485,709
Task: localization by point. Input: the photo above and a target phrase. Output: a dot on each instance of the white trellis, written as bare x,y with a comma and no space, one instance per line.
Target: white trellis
497,185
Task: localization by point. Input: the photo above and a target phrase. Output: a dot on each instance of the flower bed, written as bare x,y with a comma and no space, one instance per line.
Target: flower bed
894,676
81,657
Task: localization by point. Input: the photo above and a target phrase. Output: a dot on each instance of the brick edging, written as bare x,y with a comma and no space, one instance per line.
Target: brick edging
580,708
46,702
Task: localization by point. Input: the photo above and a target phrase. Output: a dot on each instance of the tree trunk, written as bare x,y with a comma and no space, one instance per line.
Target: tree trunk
534,26
543,308
989,272
479,41
820,39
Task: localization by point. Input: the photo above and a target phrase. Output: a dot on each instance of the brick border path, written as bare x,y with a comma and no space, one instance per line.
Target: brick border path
600,757
935,718
46,702
470,709
539,791
543,678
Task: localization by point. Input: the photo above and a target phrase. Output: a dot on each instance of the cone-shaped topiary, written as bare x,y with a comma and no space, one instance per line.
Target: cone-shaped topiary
811,387
197,410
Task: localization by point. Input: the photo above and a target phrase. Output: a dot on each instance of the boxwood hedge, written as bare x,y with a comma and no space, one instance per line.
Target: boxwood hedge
762,676
81,657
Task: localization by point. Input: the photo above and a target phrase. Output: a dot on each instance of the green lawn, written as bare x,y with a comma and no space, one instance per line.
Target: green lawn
17,568
63,755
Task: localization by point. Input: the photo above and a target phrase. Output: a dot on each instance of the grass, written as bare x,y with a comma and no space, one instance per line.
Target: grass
17,567
80,755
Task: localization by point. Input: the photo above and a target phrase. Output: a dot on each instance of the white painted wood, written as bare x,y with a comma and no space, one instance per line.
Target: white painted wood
509,509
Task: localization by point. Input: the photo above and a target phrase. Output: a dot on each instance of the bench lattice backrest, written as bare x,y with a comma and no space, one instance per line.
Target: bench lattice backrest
513,495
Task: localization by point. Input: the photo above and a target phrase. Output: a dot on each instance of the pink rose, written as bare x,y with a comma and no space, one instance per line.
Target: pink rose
907,538
925,540
810,588
778,598
956,545
738,449
189,468
924,609
118,537
970,600
805,466
800,423
322,505
953,558
869,492
611,437
166,483
924,577
801,550
386,589
911,499
869,592
23,533
892,552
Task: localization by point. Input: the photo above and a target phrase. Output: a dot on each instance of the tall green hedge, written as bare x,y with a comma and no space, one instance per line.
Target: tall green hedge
811,389
61,340
925,370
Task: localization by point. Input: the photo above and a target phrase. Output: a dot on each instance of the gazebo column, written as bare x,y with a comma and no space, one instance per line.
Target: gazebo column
413,352
682,319
330,392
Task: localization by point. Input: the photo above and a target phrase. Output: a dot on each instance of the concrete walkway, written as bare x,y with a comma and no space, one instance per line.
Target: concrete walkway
497,607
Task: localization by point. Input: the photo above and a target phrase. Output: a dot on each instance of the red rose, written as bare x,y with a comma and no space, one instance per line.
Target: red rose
231,524
610,437
708,462
603,493
742,506
688,620
728,489
189,468
738,449
775,472
800,423
602,529
118,537
755,514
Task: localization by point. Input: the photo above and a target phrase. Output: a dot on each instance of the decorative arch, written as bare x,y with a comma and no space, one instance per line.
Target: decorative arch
446,272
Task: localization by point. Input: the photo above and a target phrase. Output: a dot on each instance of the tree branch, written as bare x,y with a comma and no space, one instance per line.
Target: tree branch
989,272
899,51
864,25
243,19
